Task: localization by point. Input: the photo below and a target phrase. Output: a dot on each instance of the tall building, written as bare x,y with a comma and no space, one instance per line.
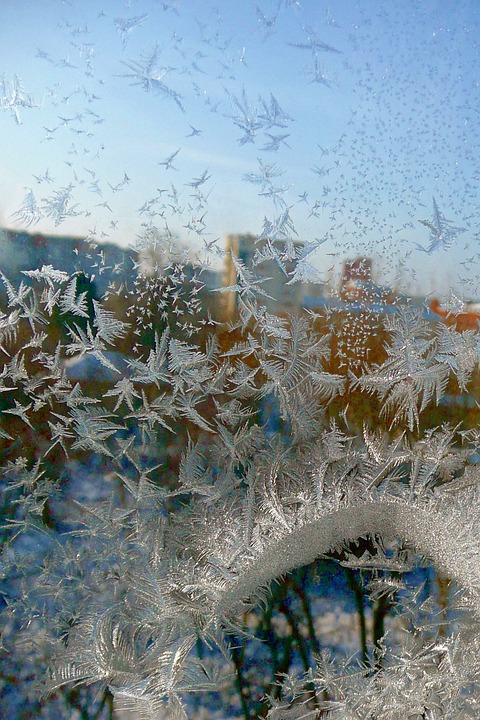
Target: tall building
270,271
358,286
107,262
356,279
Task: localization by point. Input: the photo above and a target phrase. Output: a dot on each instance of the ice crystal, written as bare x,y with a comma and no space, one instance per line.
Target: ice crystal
30,212
14,97
443,232
58,206
179,446
149,76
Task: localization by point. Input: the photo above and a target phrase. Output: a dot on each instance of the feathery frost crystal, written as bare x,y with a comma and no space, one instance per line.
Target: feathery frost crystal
197,426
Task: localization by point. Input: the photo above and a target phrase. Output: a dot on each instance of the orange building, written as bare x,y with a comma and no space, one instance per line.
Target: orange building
464,320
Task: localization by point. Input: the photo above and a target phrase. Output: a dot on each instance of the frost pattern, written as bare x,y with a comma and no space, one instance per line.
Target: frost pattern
237,433
258,508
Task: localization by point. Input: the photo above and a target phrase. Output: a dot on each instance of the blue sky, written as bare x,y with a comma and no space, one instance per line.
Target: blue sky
351,117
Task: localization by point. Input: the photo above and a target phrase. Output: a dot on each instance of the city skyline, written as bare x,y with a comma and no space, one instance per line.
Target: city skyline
109,262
